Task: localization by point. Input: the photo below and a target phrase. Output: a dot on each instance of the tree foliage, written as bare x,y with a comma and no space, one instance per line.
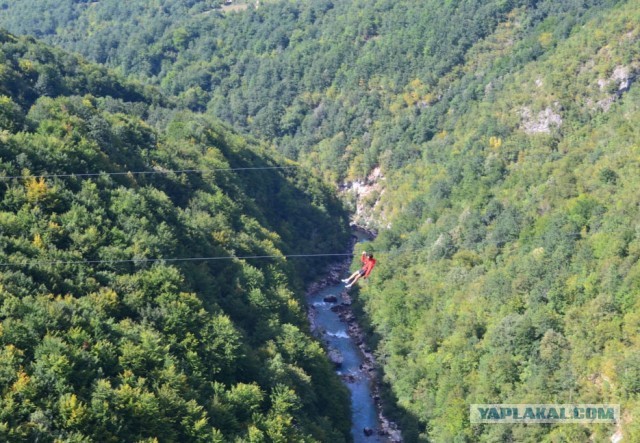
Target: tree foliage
507,134
103,336
340,86
512,271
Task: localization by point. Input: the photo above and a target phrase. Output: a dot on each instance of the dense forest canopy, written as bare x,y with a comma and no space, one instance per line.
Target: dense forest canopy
507,133
340,85
514,275
131,347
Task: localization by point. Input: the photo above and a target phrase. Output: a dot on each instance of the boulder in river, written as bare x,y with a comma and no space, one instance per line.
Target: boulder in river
336,358
331,299
368,432
349,378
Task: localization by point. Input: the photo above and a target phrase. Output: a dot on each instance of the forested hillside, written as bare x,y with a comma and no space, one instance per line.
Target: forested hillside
507,133
104,335
340,85
516,277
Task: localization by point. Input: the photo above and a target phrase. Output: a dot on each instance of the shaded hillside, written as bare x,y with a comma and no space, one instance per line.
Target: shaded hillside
134,346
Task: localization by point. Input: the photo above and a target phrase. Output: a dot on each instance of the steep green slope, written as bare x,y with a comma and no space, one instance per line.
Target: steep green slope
515,276
103,336
507,134
342,86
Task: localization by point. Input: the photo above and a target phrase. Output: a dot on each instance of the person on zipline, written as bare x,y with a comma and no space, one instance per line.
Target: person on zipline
368,262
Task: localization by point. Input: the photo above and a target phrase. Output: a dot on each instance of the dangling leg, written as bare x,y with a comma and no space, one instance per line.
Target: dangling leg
351,277
353,282
356,276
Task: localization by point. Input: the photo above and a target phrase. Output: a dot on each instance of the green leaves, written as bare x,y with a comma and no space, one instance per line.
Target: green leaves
102,340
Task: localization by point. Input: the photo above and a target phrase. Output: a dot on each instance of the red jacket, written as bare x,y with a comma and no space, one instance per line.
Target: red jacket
369,263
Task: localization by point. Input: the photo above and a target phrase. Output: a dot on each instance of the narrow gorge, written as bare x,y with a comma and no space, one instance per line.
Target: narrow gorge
334,323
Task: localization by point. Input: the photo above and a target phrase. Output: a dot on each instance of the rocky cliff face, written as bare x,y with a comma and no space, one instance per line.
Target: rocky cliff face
365,195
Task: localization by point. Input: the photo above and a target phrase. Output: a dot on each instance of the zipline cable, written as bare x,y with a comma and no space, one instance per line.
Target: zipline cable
154,260
158,171
222,257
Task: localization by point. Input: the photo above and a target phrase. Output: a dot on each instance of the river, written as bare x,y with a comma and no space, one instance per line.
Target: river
333,322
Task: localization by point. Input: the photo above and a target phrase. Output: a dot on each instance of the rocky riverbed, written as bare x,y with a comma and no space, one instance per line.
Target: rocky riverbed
333,321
